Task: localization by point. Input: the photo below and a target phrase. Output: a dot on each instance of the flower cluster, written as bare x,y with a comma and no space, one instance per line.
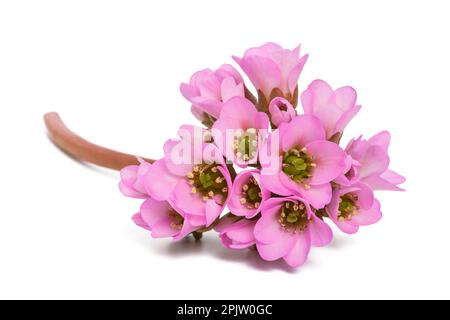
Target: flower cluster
280,171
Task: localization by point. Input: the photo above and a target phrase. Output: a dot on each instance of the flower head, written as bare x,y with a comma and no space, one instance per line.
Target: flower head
207,90
304,163
273,70
159,217
281,111
352,207
287,229
193,178
335,109
370,162
247,194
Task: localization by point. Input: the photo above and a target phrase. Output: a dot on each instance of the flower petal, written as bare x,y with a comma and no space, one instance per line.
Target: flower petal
329,159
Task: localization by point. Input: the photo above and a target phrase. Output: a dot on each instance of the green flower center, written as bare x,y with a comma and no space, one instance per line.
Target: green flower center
298,165
208,181
245,144
251,194
348,207
294,217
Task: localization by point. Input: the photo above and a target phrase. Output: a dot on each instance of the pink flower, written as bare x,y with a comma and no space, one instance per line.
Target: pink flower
236,233
208,90
352,207
304,163
334,108
193,178
156,216
247,194
163,220
371,162
281,111
271,67
287,229
239,130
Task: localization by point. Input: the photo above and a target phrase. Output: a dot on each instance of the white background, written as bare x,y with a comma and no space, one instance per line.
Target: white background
112,70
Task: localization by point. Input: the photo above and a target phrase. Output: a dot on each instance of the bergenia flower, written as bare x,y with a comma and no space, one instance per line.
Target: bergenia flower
163,220
207,90
305,162
352,207
287,229
247,194
236,233
194,180
273,70
156,216
334,108
239,130
371,162
281,111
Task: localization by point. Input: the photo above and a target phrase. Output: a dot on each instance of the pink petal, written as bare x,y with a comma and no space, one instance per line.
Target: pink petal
316,96
153,211
213,210
381,139
278,249
187,201
345,98
230,89
295,73
329,159
317,195
321,233
300,131
369,216
299,252
268,228
374,162
263,72
159,181
163,229
139,221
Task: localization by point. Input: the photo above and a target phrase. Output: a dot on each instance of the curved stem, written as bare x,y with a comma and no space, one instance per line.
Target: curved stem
84,150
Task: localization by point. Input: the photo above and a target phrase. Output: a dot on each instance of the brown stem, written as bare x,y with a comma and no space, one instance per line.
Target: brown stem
84,150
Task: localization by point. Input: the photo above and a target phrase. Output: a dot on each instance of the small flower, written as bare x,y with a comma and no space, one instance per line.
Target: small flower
163,220
239,130
274,71
247,194
287,229
207,90
156,216
236,233
193,178
304,164
371,162
352,207
281,111
335,109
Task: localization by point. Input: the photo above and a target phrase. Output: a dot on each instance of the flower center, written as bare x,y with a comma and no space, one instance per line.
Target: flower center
294,217
208,181
348,207
298,165
245,144
251,194
176,220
